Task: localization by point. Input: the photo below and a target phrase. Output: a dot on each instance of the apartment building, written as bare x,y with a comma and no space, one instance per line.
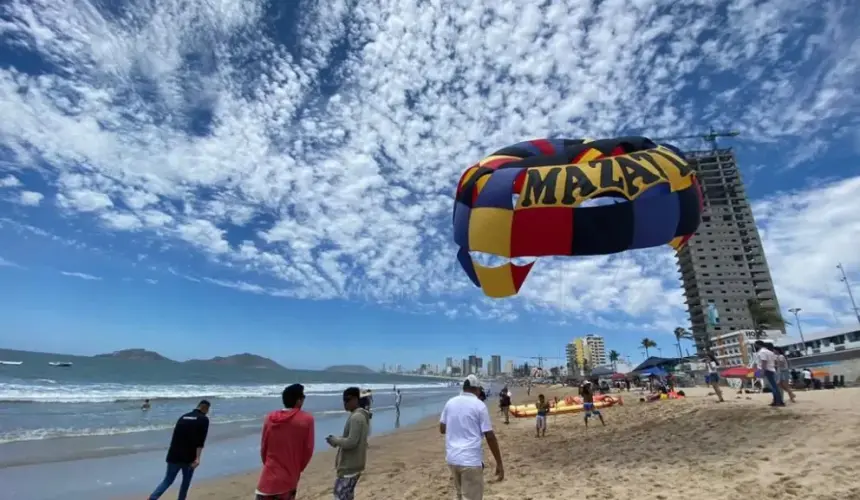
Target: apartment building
724,265
596,350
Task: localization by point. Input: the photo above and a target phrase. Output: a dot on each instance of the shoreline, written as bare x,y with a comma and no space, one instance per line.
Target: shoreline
721,450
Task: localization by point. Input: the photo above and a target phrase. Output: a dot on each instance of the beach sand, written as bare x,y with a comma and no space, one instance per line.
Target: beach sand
692,448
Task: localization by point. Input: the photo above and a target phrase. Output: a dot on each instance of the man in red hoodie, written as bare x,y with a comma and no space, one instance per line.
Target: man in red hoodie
286,448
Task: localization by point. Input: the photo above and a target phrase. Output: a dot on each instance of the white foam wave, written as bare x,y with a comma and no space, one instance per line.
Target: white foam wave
108,393
60,432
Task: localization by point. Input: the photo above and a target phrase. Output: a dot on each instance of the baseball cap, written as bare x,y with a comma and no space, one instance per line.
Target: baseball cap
471,381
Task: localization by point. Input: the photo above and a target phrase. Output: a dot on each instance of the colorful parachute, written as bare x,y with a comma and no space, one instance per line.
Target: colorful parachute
657,200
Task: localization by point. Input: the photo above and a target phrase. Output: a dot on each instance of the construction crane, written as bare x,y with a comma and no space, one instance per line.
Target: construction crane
710,137
540,359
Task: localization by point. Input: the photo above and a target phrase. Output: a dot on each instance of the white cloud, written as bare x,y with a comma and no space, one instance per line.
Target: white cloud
151,281
9,263
806,234
30,198
347,192
9,181
83,276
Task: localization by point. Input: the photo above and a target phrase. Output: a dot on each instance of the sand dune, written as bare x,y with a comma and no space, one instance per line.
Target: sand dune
693,448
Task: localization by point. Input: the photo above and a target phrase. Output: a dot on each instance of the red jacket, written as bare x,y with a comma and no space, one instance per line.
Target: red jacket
286,449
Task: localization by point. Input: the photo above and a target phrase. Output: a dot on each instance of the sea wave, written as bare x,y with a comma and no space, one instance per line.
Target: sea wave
122,393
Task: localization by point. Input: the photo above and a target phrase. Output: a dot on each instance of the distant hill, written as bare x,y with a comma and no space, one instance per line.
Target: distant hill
244,360
134,355
358,369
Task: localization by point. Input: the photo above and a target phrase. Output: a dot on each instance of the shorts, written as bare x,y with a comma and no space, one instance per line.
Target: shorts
468,481
590,409
344,487
540,421
712,378
283,496
784,376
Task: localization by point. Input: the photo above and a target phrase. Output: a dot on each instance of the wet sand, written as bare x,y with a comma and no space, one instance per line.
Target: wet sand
668,450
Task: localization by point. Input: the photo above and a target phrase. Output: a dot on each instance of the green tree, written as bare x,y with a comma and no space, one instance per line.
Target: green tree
648,344
613,358
765,317
681,334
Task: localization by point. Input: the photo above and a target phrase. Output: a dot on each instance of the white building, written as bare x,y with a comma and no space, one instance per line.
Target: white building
596,350
736,348
833,340
509,367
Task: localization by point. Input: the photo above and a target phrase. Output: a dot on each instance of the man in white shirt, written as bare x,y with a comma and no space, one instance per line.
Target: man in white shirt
767,365
465,422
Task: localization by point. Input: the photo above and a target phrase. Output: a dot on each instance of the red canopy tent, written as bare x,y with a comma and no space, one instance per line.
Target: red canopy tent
618,376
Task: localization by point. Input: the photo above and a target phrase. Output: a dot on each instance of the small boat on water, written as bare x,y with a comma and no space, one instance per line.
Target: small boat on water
64,364
11,363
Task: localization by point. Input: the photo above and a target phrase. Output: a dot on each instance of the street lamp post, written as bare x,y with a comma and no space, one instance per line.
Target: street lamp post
799,329
844,279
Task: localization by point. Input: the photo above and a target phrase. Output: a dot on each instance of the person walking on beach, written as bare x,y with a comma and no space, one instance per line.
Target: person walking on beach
286,447
586,391
542,412
186,447
465,422
807,378
713,377
767,365
505,404
351,447
398,398
784,372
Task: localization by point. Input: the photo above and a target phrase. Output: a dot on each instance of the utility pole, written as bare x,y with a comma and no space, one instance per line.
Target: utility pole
850,294
799,329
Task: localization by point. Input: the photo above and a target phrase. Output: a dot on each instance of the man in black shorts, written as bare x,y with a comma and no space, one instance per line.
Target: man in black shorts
505,404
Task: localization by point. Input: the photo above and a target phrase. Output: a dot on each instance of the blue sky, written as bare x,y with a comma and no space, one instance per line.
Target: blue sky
204,179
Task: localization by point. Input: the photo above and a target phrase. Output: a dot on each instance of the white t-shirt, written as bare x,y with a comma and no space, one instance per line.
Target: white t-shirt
397,399
807,375
712,367
781,362
466,419
766,360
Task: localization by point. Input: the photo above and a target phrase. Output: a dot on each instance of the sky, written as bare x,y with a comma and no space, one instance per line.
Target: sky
209,177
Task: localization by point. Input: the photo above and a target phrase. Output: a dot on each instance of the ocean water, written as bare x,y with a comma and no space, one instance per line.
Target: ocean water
82,426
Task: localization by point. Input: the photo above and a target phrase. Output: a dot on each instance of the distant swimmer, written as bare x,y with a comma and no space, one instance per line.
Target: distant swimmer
186,447
586,390
146,406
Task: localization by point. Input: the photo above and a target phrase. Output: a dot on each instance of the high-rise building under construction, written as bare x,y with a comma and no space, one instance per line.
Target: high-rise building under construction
724,265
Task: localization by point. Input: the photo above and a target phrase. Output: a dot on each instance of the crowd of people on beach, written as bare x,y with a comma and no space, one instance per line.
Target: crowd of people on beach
287,440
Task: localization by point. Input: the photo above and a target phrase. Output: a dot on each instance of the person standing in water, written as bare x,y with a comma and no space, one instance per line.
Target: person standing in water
398,398
145,406
186,447
542,412
713,377
586,390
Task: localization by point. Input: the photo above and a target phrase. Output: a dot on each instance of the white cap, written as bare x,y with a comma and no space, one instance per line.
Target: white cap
472,381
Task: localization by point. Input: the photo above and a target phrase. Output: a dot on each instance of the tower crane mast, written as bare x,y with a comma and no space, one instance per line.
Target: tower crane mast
710,137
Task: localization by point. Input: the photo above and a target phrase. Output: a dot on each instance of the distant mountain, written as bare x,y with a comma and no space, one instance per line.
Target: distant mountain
357,369
134,355
244,360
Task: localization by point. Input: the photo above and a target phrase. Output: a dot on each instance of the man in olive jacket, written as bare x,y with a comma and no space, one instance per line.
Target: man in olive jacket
352,446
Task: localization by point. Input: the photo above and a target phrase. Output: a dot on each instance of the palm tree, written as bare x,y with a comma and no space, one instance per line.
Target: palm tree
647,344
765,317
613,358
681,334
